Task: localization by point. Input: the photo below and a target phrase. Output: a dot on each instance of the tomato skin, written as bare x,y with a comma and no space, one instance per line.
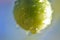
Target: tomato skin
30,14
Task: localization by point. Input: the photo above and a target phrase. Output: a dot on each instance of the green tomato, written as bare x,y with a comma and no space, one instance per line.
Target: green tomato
32,15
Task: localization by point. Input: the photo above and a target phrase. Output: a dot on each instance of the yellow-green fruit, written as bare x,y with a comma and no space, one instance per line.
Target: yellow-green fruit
32,15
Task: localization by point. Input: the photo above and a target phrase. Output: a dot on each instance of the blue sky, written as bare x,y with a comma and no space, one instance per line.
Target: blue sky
10,31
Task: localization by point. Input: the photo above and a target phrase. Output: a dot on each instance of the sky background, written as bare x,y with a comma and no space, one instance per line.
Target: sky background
10,31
